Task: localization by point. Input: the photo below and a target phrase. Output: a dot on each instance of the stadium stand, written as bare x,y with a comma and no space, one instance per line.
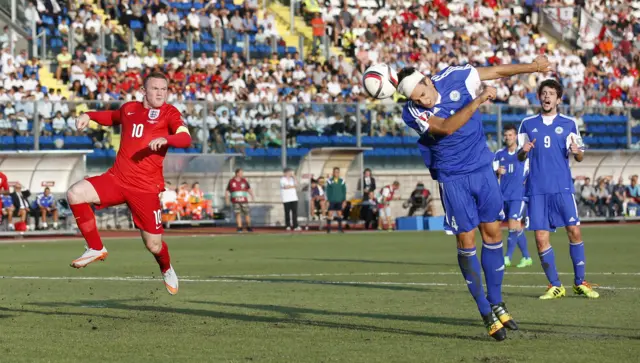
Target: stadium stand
202,47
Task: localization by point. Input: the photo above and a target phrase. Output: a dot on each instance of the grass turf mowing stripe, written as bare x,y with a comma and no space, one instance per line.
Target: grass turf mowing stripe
231,280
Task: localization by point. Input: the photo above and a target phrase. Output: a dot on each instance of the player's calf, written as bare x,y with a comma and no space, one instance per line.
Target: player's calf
160,251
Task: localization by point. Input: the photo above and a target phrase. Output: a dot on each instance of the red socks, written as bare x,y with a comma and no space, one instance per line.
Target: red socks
163,259
86,220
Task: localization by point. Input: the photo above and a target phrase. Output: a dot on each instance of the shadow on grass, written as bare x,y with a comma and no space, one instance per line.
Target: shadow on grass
367,261
363,284
57,313
293,312
292,315
118,305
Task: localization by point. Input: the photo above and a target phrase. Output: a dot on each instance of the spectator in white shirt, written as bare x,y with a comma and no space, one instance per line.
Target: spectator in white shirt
61,107
31,83
58,123
169,198
45,108
134,61
150,59
289,196
93,23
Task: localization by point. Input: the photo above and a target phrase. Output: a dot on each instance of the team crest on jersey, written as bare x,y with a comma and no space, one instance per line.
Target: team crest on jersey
454,95
154,113
559,130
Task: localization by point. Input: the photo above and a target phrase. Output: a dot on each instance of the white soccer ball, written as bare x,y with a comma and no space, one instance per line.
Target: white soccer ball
380,81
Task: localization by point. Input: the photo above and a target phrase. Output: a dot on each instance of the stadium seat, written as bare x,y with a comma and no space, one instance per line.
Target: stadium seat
25,142
46,142
7,143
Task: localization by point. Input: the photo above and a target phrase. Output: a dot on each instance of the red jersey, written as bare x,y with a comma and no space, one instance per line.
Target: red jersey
4,182
239,190
136,166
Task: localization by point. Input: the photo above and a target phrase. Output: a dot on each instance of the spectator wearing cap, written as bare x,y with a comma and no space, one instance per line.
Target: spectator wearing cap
289,196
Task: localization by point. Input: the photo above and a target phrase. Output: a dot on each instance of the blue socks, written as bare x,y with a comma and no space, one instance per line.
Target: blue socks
522,244
471,271
576,250
548,261
512,242
493,267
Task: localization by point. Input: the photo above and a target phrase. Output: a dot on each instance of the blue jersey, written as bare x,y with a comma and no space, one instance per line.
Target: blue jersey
549,171
46,201
426,157
6,201
512,182
465,151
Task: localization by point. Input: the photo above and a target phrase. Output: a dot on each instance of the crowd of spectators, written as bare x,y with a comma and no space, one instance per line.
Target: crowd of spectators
606,198
427,34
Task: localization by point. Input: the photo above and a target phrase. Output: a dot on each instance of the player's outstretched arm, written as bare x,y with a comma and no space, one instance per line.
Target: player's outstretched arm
104,118
449,125
540,64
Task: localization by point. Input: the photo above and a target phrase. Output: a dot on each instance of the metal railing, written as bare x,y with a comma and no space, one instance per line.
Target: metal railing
245,127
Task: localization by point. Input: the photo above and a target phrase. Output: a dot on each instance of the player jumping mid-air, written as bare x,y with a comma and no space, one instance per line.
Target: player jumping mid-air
443,109
136,178
511,174
548,139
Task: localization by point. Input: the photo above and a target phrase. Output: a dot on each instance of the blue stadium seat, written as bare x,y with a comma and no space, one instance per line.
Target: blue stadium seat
97,154
396,140
7,143
409,140
25,142
46,142
274,151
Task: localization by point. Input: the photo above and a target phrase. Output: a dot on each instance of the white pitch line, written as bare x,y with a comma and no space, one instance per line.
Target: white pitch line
390,283
418,274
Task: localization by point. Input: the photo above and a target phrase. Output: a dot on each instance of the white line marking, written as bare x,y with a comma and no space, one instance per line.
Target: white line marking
228,280
421,273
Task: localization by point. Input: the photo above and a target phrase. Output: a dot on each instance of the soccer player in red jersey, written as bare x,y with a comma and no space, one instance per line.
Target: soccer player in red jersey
136,178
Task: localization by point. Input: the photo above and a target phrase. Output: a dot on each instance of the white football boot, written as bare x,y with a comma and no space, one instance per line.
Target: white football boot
89,255
171,281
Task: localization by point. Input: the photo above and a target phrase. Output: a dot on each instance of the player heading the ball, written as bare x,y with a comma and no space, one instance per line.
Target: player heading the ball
443,109
136,178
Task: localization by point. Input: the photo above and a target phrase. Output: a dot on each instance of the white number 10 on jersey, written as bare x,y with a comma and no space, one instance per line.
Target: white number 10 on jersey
158,216
137,130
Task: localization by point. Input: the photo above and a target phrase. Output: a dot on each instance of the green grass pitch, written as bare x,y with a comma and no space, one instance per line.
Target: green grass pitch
357,297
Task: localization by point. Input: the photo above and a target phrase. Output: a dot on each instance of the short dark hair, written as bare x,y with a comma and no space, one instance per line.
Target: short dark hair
510,127
287,170
551,83
238,170
336,168
156,75
405,72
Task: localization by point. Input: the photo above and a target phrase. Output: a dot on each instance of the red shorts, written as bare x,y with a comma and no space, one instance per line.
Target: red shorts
145,207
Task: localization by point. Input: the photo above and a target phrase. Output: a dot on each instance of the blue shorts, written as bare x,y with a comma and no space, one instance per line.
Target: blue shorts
471,200
514,209
550,211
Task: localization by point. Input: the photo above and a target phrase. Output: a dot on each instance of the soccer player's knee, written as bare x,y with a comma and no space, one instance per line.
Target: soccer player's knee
153,244
574,234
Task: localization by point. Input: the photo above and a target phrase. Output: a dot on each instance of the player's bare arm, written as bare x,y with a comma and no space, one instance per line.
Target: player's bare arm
449,125
539,64
523,153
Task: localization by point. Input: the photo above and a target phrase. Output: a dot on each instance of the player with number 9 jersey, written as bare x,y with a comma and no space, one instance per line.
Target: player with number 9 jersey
136,178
